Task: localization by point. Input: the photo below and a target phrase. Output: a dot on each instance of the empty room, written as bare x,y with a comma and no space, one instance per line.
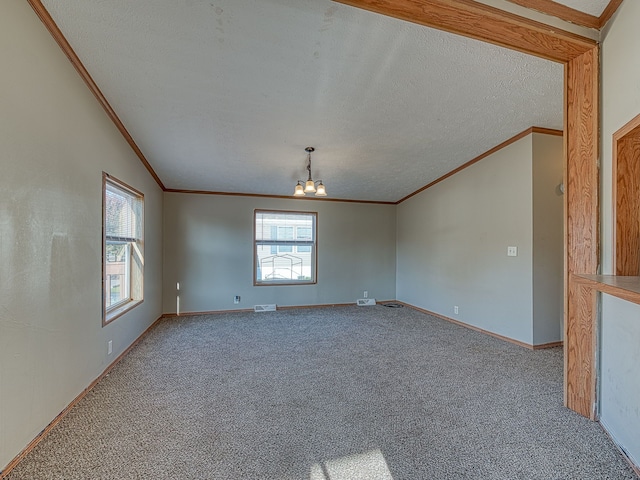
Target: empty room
319,239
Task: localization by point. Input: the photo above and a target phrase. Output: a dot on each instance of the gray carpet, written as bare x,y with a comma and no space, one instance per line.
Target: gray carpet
326,394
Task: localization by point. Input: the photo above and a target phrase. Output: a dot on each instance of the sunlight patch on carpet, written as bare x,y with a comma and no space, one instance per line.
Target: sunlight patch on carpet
362,466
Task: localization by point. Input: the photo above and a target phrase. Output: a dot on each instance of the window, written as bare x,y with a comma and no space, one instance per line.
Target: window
303,233
284,247
123,252
285,233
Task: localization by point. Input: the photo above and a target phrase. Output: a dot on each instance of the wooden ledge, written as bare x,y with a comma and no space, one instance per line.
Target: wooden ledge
627,288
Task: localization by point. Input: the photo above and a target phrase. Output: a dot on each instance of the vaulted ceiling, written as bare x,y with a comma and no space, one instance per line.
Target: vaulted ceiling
224,95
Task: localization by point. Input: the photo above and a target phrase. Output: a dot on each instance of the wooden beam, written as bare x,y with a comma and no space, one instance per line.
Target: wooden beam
581,59
624,287
580,55
608,12
558,10
571,15
581,230
579,348
482,22
57,35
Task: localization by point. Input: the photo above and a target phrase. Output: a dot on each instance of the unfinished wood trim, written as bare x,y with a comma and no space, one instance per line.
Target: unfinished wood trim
626,198
627,128
18,458
581,230
210,312
286,197
466,325
581,142
506,143
548,131
543,346
57,35
580,56
624,287
608,12
558,10
483,22
579,346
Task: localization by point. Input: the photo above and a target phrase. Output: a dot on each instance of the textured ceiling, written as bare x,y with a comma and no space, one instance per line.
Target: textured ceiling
592,7
224,95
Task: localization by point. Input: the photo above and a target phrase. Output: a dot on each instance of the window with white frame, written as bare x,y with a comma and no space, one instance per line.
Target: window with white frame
123,250
284,247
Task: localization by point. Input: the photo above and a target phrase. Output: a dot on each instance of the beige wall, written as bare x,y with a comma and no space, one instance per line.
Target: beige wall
209,250
55,142
452,244
619,380
448,247
453,238
548,239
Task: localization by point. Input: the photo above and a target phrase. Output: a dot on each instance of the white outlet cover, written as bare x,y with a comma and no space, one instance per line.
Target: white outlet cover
512,251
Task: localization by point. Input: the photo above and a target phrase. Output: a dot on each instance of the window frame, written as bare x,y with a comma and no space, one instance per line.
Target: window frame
293,243
134,246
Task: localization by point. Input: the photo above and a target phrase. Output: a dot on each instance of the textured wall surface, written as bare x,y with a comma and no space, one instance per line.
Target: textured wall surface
452,244
620,335
56,142
209,250
453,239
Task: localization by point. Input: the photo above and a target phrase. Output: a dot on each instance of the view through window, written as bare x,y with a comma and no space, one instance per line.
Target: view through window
123,257
285,247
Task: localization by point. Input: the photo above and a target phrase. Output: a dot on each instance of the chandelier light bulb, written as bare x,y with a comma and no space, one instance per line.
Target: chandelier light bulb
309,186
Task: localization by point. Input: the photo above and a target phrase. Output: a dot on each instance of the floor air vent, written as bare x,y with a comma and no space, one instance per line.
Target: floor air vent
365,302
265,308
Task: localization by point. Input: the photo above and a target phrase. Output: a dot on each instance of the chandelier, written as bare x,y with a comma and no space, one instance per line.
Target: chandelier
302,188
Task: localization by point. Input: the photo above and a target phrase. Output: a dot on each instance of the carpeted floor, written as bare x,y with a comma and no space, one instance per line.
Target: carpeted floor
326,394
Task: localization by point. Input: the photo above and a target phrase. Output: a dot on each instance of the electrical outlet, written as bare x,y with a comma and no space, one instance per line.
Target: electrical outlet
455,309
236,299
512,251
109,347
366,294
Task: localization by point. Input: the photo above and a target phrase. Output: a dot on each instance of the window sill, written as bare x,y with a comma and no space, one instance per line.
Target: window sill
111,315
283,283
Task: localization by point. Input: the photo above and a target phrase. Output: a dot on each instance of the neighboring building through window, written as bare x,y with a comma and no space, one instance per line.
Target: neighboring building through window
284,247
123,250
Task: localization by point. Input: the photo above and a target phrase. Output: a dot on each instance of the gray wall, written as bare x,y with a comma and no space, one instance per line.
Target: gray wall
56,141
452,244
453,238
208,248
548,239
620,327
